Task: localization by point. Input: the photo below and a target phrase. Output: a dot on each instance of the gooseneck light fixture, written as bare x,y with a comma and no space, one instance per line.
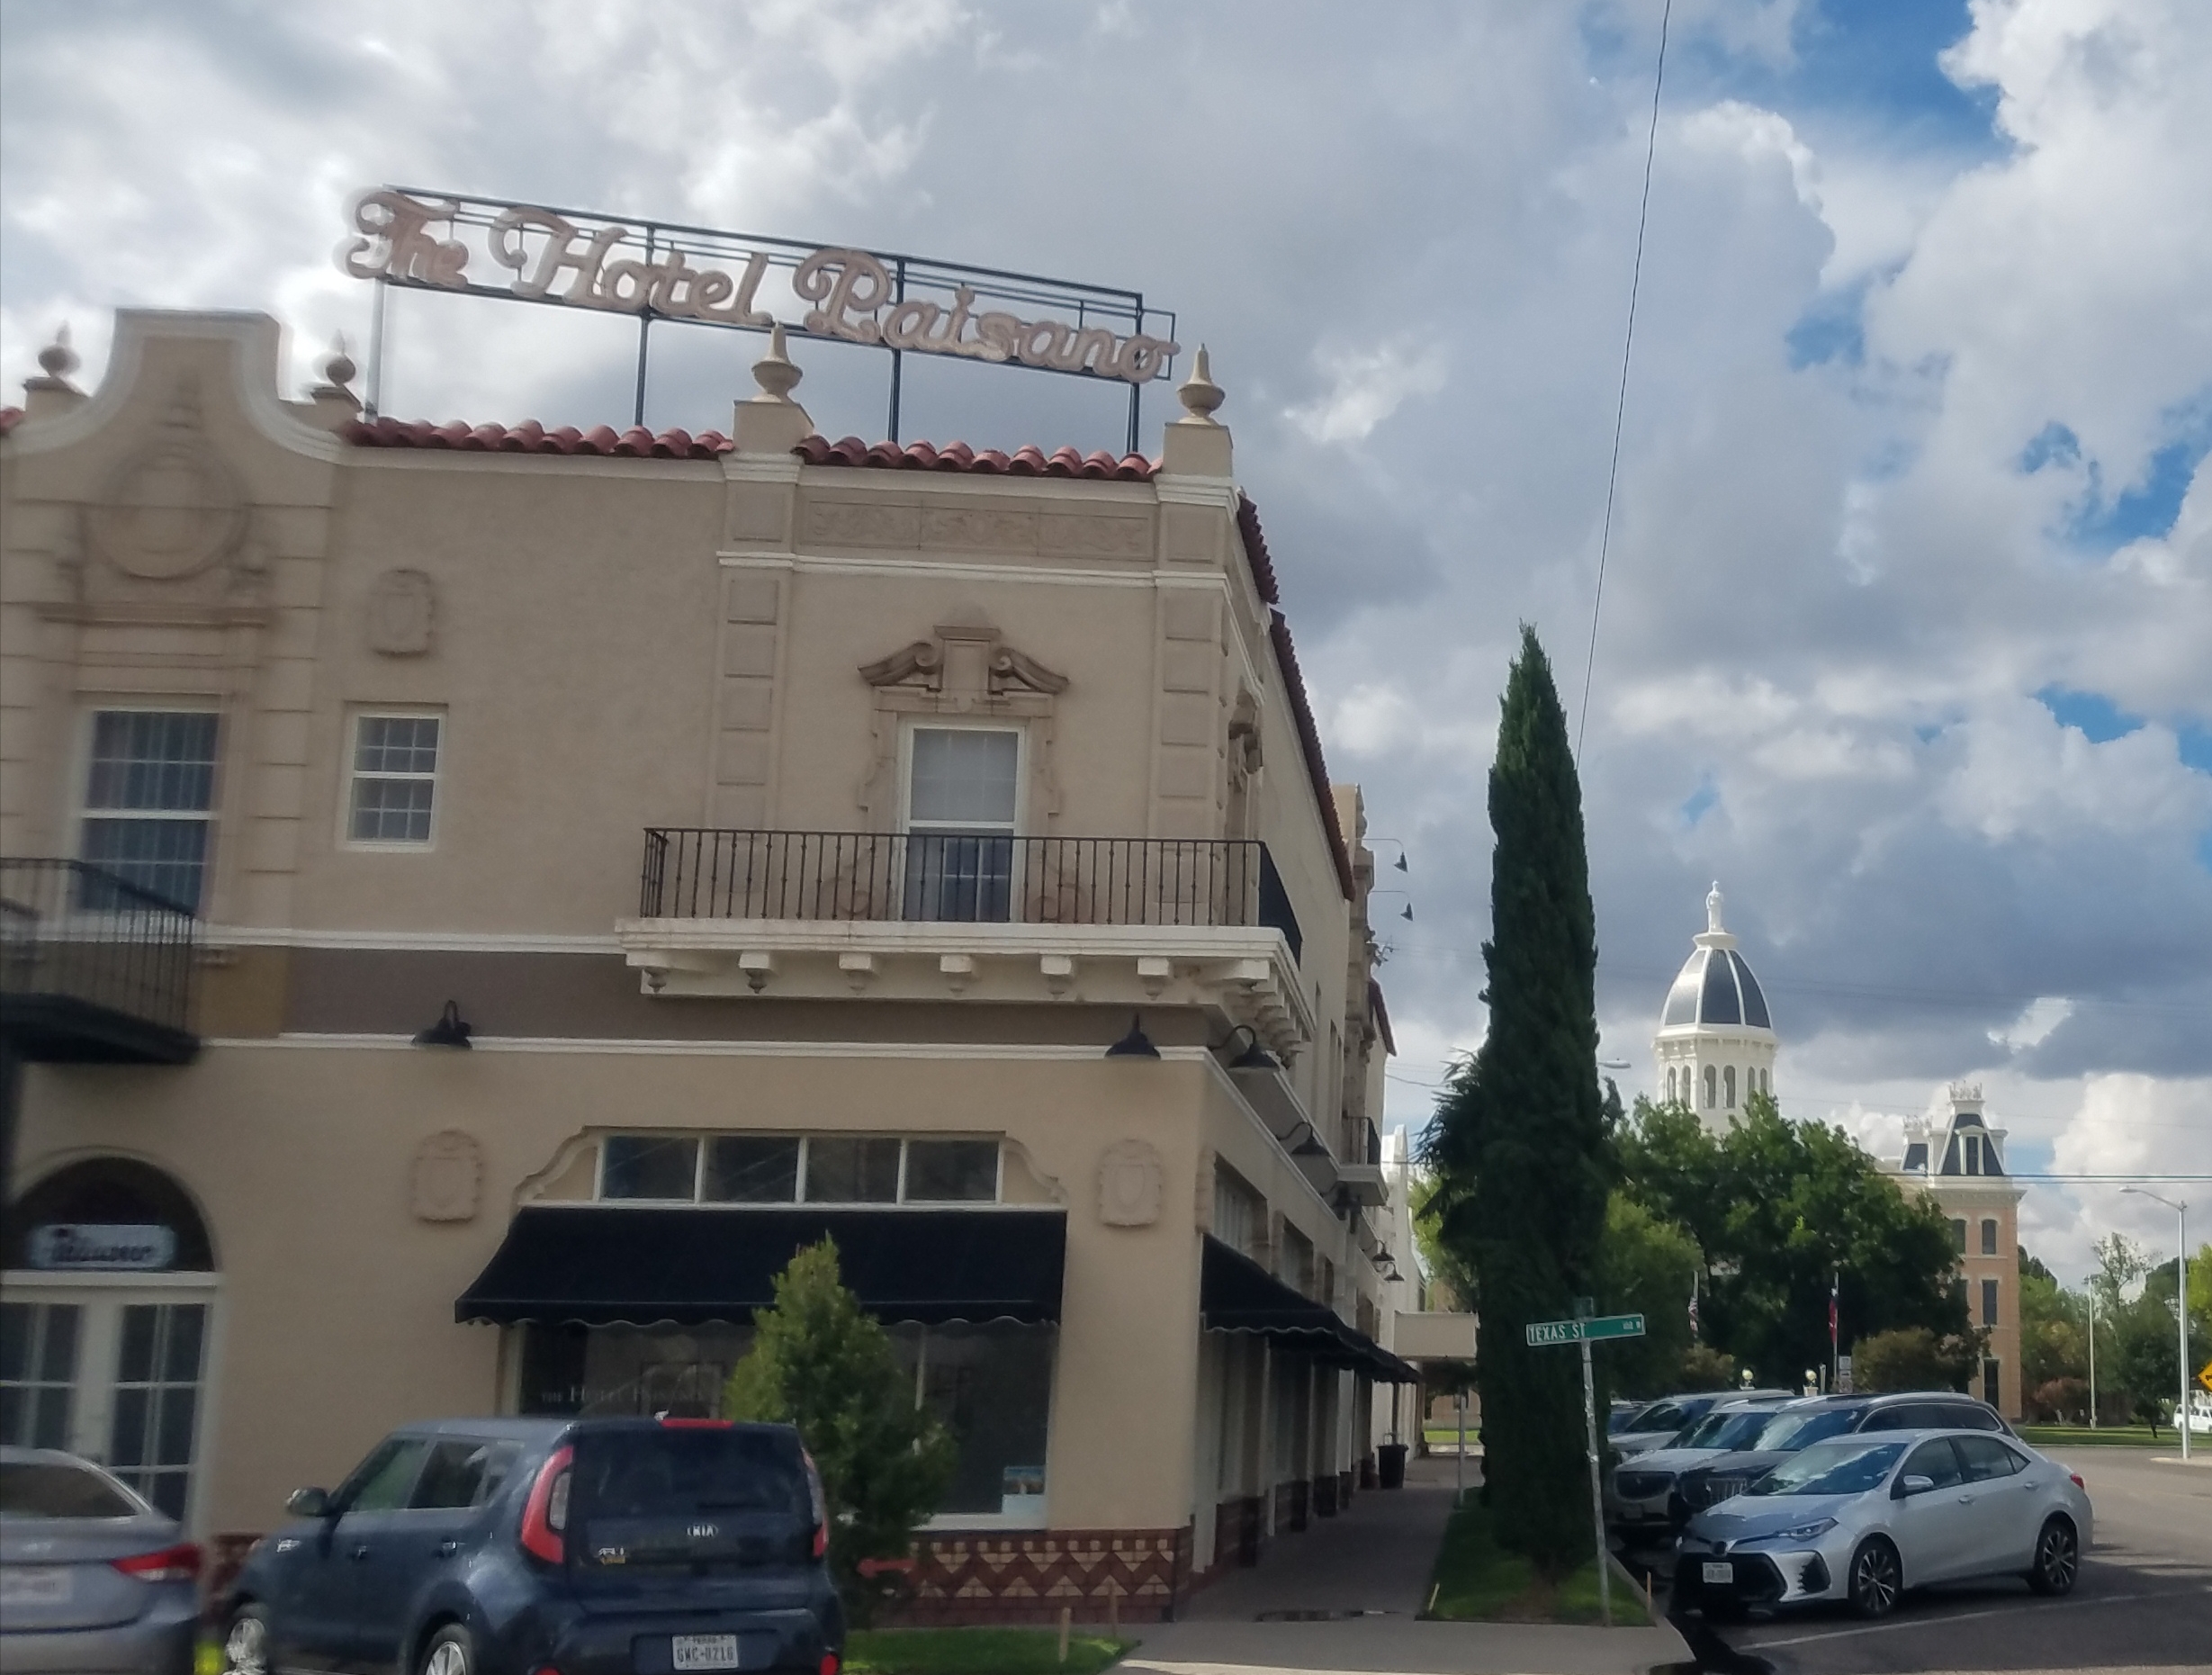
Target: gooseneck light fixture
1136,1044
1254,1056
449,1031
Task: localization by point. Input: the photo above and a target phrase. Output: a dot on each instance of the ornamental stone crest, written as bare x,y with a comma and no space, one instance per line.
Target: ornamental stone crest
401,603
1131,1180
965,660
448,1178
173,507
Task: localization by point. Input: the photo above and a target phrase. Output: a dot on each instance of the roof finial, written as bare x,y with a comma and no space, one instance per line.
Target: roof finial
774,371
339,369
1715,901
58,360
1199,394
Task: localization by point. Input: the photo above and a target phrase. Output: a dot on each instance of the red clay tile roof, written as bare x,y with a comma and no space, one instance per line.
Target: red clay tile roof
1255,549
10,417
1309,740
532,438
1029,460
1381,1015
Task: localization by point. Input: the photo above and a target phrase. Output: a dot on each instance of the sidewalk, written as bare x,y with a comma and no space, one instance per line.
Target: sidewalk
1374,1559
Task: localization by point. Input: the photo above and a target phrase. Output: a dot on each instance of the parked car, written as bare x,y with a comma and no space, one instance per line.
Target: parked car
1619,1413
91,1576
1636,1491
1817,1420
519,1546
1861,1518
1661,1421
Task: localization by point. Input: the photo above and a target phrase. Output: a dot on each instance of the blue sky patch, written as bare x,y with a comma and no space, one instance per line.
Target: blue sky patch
1832,330
2092,713
2195,739
2053,444
2144,509
1700,801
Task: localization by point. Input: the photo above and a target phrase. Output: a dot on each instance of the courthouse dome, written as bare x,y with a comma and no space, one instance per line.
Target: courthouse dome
1715,986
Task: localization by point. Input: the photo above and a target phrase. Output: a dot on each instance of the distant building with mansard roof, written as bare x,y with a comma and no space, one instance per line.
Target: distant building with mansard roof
1716,1041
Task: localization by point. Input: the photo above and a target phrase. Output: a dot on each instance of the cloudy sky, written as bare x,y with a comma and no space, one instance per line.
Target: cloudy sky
1907,633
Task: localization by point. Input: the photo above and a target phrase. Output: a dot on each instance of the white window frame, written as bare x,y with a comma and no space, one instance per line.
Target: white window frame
351,777
92,708
705,1138
961,724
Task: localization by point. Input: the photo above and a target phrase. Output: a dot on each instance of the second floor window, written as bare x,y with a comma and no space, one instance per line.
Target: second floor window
150,799
394,778
962,804
1989,1302
1989,1237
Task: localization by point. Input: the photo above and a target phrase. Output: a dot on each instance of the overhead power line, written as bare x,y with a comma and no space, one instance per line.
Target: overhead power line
1620,406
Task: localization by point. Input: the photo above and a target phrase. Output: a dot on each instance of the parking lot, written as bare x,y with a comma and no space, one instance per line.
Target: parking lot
2144,1602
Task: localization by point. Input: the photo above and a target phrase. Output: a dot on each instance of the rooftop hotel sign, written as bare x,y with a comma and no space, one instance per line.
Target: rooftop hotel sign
659,271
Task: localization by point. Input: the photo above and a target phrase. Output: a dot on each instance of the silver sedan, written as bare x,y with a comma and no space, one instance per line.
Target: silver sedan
1863,1518
92,1580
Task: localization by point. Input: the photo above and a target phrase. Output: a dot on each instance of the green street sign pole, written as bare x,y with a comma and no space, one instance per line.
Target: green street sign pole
1582,1331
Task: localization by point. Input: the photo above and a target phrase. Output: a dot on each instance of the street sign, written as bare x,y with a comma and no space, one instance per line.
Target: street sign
1547,1334
2204,1372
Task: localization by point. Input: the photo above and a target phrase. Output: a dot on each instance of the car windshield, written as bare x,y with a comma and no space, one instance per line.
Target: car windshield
1726,1430
1785,1432
53,1488
678,1471
1837,1468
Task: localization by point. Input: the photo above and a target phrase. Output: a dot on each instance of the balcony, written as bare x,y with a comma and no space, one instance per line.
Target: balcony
1360,1174
971,916
93,969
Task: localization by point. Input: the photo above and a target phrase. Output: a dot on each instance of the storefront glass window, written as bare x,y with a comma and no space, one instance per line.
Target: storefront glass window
992,1385
38,1372
157,1399
952,1171
649,1166
749,1169
851,1171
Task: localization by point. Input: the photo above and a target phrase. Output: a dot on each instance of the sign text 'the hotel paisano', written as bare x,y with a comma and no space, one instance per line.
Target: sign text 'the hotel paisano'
610,265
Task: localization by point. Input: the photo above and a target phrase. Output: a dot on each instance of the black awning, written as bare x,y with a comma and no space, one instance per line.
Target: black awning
604,1265
1236,1294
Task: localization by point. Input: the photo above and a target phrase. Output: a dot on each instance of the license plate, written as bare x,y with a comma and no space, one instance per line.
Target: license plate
1723,1573
705,1652
21,1584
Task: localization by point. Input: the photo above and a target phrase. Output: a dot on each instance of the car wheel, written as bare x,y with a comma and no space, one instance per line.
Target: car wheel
451,1650
246,1642
1876,1579
2058,1558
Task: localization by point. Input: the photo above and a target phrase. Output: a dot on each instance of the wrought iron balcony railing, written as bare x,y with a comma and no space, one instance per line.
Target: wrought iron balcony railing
93,969
693,872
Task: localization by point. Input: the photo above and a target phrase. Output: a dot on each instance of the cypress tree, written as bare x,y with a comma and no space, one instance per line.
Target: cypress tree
1519,1142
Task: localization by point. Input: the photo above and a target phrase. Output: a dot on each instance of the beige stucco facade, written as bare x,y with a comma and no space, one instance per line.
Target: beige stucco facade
744,645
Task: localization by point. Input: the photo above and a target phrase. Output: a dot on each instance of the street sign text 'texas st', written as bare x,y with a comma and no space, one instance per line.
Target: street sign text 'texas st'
1544,1334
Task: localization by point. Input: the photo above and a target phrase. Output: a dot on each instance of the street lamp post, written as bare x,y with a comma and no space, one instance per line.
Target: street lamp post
2092,1352
2181,1300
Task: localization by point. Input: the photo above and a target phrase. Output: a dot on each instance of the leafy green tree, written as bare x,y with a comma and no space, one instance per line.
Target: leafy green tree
2054,1328
820,1362
1703,1367
1519,1145
1645,1266
2120,1263
2145,1350
1912,1357
1446,1271
1780,1210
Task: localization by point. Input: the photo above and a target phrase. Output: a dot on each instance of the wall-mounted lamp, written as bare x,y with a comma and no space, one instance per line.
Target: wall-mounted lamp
1310,1147
1254,1056
449,1031
1400,843
1406,913
1136,1044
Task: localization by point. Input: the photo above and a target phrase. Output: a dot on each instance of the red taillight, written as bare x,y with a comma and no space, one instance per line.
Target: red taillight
829,1663
180,1564
2078,1483
546,1513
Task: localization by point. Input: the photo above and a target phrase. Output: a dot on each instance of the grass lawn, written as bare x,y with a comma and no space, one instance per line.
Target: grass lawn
977,1651
1476,1581
2130,1436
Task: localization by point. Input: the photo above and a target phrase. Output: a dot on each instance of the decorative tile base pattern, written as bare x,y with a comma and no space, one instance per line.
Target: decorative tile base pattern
1136,1575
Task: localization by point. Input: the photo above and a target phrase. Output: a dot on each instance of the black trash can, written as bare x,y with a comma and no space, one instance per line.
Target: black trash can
1390,1465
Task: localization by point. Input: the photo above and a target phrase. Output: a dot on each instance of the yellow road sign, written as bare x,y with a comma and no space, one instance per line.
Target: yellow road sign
2203,1375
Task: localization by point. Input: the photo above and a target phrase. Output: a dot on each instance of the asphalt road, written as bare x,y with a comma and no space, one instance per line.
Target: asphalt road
2144,1601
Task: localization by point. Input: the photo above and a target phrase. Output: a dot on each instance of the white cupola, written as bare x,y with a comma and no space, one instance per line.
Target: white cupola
1715,1043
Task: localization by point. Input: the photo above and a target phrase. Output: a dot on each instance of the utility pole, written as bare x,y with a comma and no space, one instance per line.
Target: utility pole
2092,1352
2180,1303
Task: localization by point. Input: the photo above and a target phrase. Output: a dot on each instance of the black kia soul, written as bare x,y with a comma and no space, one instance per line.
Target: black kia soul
550,1547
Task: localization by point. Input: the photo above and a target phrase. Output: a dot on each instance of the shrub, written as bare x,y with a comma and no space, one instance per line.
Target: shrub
1703,1367
1912,1357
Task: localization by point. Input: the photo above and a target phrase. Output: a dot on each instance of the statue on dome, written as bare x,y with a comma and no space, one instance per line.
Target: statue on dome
1714,903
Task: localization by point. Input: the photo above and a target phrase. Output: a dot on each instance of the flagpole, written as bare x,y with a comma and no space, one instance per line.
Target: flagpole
1835,1353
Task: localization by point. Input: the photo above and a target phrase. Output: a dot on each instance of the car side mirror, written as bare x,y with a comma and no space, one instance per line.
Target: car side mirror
1914,1484
310,1503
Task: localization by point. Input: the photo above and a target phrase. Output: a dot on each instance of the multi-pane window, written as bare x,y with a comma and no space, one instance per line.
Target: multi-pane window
798,1168
37,1371
150,796
1958,1234
1989,1302
158,1399
962,802
1992,1382
1239,1213
1989,1236
394,778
